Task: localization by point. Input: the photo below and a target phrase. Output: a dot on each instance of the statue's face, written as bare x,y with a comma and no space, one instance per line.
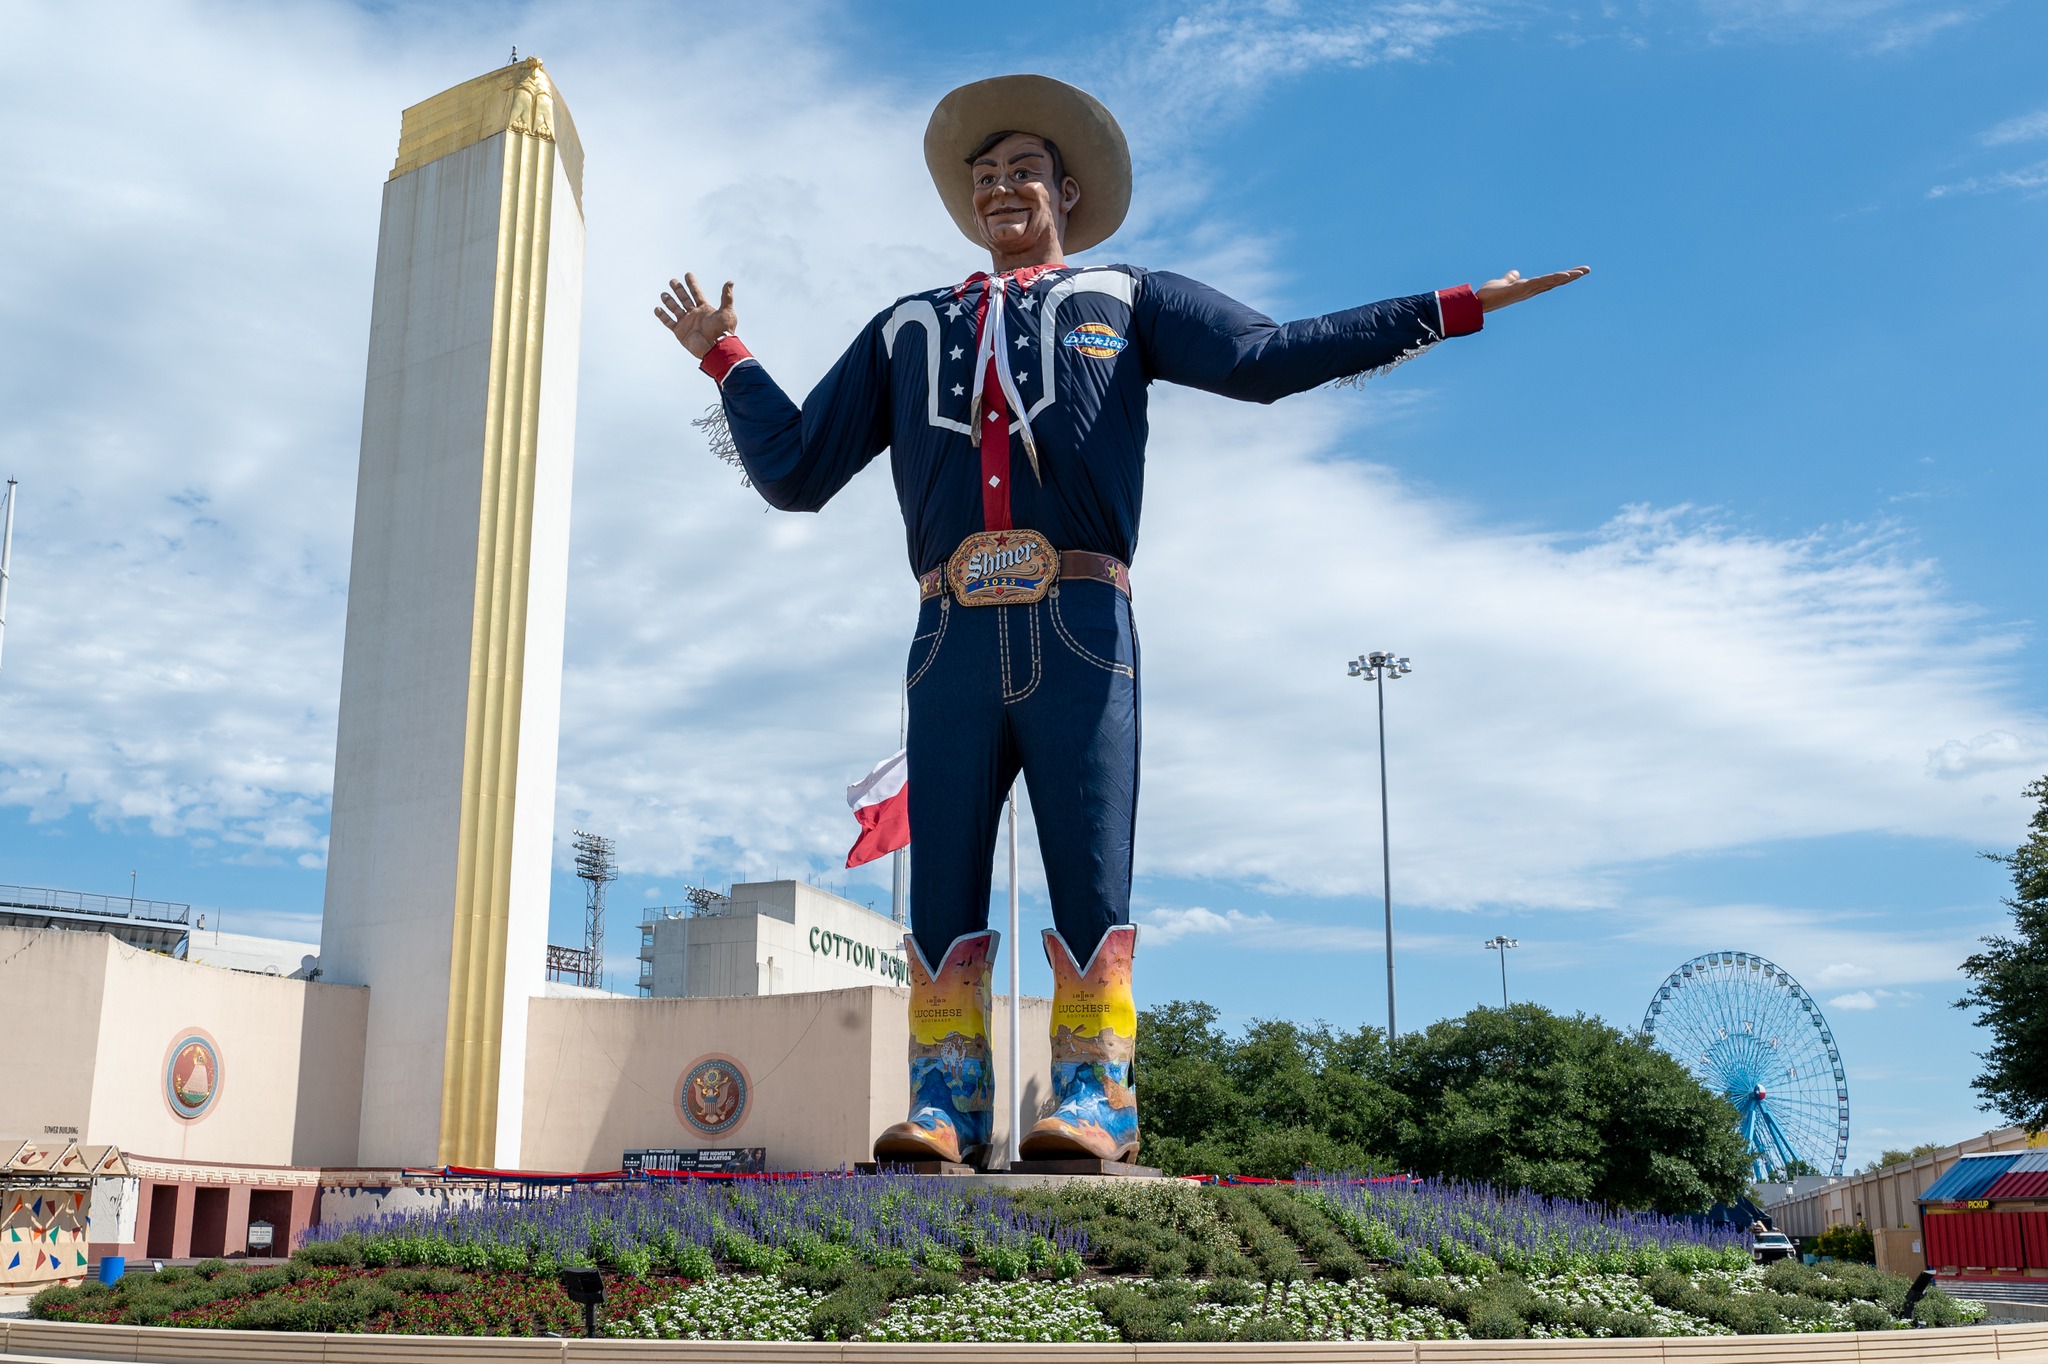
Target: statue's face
1016,204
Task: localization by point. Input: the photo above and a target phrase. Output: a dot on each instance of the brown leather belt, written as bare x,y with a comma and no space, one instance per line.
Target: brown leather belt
1074,563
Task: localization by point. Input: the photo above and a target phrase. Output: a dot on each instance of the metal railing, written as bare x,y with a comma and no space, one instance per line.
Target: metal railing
104,906
711,906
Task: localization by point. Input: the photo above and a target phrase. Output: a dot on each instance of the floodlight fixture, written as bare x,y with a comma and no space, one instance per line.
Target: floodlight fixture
1500,944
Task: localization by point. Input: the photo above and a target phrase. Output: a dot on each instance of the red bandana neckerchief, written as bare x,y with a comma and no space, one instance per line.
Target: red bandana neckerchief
995,392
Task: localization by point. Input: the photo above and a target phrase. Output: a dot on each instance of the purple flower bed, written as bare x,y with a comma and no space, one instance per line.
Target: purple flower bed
745,1223
1456,1225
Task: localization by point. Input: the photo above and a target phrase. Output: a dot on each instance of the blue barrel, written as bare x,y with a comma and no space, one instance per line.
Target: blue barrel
112,1267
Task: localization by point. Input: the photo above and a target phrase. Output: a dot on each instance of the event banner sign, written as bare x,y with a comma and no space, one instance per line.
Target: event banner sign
728,1160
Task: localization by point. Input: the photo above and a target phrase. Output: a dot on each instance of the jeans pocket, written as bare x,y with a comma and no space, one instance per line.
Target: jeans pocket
924,648
1095,631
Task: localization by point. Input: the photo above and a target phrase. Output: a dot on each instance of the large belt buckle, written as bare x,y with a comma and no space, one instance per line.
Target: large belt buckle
1002,568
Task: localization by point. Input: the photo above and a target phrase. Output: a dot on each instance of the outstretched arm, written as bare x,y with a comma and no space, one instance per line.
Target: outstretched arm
797,457
1193,335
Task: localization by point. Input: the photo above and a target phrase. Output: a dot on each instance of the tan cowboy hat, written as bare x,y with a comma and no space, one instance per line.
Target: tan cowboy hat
1091,145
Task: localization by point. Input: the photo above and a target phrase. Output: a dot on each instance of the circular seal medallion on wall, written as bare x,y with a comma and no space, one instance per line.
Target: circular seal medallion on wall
192,1074
711,1096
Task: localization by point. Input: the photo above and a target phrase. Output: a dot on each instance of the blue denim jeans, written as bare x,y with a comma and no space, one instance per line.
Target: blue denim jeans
1050,688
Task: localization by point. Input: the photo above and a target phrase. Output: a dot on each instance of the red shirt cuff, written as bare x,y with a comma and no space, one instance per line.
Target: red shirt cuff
728,351
1461,310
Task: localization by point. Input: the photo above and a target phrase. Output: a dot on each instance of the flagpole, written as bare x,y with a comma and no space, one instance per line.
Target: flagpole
1016,1003
899,863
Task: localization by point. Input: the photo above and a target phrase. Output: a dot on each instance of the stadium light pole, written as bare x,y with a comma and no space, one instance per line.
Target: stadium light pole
6,554
1378,666
1499,944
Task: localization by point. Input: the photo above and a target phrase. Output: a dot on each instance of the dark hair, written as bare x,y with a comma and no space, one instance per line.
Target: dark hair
1052,149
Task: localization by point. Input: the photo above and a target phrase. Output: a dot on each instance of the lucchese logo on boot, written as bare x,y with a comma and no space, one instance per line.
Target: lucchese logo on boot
1002,567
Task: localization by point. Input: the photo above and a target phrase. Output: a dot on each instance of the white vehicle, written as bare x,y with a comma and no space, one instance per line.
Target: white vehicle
1772,1245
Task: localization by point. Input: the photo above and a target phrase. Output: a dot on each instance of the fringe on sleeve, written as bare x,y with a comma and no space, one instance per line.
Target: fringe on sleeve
1359,379
718,436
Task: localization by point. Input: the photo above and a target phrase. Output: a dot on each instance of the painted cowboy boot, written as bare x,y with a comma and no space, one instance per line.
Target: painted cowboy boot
952,1099
1094,1043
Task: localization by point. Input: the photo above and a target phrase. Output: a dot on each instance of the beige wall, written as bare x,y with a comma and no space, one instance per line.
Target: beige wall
827,1071
1882,1198
41,1341
51,984
290,1052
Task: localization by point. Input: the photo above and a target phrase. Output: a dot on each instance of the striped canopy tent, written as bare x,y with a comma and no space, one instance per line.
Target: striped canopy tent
46,1209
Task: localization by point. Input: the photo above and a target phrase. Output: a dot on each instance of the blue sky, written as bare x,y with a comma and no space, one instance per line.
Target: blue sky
1719,568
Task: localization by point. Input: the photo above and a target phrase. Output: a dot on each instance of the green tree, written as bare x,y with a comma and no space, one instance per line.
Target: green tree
1191,1112
2010,984
1888,1158
1567,1106
1844,1242
1518,1097
1282,1098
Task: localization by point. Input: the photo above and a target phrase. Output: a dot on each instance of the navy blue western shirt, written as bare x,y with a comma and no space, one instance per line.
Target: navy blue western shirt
1083,344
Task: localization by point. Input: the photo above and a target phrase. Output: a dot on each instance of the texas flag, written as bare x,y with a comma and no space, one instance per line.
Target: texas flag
881,802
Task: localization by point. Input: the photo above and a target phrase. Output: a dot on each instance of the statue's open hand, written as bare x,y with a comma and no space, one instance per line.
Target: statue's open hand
686,310
1512,288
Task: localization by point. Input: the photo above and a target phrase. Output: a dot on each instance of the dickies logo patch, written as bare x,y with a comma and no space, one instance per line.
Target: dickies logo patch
1097,340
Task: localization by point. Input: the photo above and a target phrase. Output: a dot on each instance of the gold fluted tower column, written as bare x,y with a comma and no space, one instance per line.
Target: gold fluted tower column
451,677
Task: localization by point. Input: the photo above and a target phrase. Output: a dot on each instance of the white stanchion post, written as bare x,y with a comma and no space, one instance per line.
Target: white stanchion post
1016,1002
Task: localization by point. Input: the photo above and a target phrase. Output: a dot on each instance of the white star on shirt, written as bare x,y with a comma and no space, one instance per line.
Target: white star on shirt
1023,343
1027,303
1022,375
955,353
958,390
952,312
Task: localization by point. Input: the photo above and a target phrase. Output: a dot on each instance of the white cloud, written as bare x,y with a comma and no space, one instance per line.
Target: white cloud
1842,973
2025,128
1826,948
1912,31
1263,932
188,303
1877,26
1248,48
2025,179
1863,1000
1163,926
1993,751
1661,686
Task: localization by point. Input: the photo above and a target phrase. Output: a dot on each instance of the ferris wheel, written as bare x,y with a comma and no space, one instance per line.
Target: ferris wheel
1752,1034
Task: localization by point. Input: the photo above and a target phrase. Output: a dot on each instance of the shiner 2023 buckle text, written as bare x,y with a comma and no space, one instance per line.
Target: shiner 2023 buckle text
1002,568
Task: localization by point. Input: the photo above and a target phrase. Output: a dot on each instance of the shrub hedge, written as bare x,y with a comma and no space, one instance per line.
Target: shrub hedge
1167,1261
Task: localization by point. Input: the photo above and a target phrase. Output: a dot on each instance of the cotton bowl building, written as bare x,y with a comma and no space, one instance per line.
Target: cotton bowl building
233,1096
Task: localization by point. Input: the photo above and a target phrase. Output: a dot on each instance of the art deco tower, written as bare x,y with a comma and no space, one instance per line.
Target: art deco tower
444,769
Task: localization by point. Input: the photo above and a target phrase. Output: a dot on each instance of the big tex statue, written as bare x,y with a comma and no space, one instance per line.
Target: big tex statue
1013,404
